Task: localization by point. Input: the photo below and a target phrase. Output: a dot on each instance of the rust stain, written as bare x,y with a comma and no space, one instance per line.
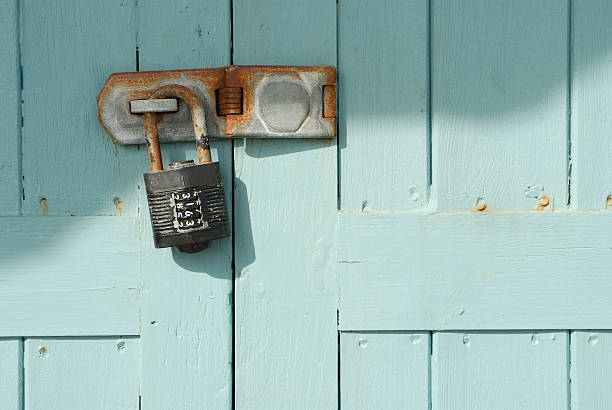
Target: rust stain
153,147
481,207
229,101
329,101
45,206
119,205
609,202
543,202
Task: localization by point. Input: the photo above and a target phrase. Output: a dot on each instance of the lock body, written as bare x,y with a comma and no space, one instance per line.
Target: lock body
187,205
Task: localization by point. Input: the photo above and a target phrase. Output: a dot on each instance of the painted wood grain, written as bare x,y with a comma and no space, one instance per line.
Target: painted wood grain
11,382
591,353
384,371
68,51
383,103
68,276
499,103
514,270
591,122
285,206
526,370
84,373
187,298
10,109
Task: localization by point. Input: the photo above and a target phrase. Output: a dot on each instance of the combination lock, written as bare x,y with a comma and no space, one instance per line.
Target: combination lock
186,201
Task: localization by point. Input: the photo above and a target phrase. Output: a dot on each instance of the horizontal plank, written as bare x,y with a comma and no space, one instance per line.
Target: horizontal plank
69,276
514,270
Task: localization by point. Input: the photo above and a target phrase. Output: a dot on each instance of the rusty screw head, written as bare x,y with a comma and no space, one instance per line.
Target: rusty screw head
481,206
544,201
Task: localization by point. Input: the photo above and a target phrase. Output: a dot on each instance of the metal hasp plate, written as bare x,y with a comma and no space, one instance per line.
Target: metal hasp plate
240,101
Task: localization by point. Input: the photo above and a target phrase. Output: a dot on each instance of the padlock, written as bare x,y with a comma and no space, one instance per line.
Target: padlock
186,201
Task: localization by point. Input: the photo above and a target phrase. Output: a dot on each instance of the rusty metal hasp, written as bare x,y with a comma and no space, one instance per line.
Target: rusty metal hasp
239,101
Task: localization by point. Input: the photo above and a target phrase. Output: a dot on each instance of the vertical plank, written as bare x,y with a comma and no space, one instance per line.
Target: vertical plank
591,354
499,103
384,371
499,370
186,298
96,373
286,200
383,77
69,48
10,109
591,122
11,383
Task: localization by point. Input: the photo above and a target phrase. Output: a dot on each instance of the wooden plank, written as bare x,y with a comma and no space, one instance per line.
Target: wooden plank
69,49
514,270
384,371
68,276
11,383
499,103
591,353
384,155
10,109
286,201
93,373
187,298
500,371
591,123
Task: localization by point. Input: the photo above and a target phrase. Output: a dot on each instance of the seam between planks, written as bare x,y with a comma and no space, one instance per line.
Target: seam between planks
570,51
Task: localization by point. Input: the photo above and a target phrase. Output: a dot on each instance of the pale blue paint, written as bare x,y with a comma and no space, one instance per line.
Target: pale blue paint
499,102
11,352
82,373
507,270
591,353
499,119
591,104
10,113
69,276
186,300
285,198
68,51
384,371
383,89
501,371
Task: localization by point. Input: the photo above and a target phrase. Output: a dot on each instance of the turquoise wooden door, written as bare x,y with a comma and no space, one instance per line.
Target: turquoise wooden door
451,250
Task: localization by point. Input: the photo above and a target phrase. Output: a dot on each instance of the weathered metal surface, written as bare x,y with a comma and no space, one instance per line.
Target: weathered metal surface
281,102
238,101
159,105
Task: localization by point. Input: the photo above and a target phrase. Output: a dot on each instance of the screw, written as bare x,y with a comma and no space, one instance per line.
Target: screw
544,201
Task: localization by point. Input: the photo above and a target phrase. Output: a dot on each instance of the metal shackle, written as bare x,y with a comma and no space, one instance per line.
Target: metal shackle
198,116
